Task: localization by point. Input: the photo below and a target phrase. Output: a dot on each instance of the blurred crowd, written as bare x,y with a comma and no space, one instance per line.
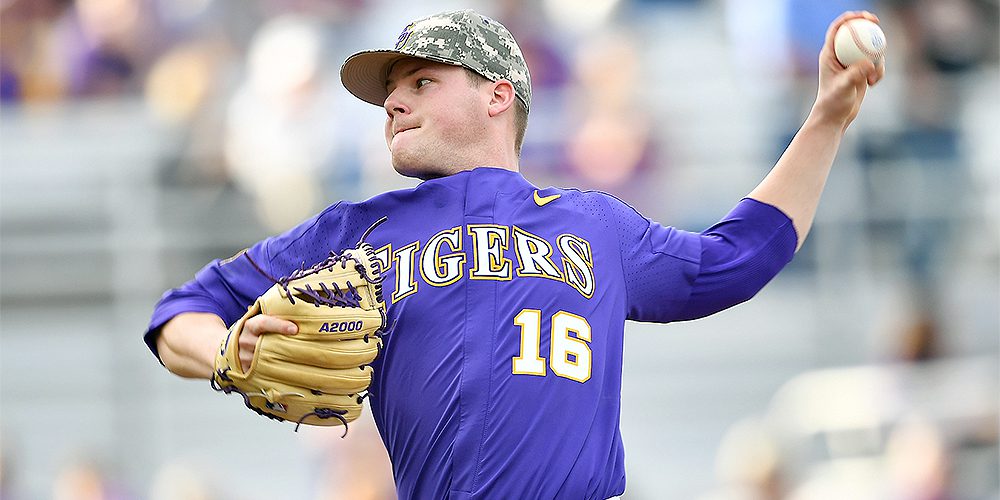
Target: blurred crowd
247,93
249,90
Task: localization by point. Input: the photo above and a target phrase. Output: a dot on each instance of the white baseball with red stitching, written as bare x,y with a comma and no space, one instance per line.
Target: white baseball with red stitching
858,39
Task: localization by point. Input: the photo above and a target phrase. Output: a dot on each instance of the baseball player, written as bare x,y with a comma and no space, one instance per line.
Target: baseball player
500,370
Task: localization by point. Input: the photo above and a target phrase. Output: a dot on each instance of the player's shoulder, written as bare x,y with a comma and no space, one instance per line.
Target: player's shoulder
588,200
341,221
397,199
451,188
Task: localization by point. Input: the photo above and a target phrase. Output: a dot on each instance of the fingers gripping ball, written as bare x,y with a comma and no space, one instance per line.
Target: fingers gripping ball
317,376
858,39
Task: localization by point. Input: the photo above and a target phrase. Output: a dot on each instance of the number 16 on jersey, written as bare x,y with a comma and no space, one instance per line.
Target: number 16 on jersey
569,354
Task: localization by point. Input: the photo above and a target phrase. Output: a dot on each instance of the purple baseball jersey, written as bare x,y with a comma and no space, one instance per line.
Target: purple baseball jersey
501,372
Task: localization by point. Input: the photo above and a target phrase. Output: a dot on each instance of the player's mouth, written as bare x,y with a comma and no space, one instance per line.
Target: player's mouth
401,130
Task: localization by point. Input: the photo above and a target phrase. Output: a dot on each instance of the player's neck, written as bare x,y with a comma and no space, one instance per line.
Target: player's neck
501,158
505,158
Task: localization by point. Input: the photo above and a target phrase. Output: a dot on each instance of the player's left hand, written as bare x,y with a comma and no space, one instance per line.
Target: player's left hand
253,328
841,90
317,375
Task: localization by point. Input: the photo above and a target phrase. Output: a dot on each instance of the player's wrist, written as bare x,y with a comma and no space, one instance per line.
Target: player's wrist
827,118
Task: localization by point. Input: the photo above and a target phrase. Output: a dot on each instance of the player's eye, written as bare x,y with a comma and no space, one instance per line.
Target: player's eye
423,81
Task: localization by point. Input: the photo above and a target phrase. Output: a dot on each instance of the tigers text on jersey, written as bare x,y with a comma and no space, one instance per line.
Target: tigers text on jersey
501,372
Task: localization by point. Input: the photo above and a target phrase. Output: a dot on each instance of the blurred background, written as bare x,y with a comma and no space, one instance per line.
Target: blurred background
140,139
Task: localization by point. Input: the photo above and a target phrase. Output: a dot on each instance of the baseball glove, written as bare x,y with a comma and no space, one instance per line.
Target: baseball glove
318,375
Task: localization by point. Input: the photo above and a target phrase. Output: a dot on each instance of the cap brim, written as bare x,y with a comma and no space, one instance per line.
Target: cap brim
364,74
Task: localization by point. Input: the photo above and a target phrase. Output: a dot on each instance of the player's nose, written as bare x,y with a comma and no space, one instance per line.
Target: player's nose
394,105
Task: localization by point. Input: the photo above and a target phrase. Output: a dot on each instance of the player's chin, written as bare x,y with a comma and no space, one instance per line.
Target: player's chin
406,165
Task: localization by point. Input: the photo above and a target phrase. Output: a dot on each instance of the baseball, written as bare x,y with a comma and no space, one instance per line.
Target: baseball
858,39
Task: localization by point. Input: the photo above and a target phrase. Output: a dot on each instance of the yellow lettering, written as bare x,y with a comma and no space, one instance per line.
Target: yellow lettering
534,256
406,283
578,263
441,270
489,244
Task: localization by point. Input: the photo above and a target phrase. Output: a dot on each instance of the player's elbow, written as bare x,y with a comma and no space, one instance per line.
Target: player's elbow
167,355
714,294
187,344
731,274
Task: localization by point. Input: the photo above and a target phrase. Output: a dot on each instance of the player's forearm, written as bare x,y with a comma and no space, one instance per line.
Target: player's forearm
796,182
188,343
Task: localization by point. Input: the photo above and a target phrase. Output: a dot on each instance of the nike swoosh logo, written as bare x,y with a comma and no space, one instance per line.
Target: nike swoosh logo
544,200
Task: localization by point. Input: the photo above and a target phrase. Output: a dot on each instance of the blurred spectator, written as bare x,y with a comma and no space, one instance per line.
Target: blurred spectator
872,432
950,36
915,466
29,57
108,44
181,81
53,49
84,479
329,11
917,462
546,61
609,144
749,464
916,177
186,91
579,19
178,481
280,128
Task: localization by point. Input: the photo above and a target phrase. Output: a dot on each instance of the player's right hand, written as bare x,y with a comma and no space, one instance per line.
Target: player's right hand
256,326
841,90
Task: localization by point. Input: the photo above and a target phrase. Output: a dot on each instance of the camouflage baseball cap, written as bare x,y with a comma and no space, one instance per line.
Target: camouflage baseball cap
459,38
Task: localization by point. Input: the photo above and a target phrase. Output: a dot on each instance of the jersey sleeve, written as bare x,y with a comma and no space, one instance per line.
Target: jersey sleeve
228,287
740,254
659,264
674,275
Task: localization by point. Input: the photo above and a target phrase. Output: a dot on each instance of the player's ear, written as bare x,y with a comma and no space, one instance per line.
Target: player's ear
502,97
